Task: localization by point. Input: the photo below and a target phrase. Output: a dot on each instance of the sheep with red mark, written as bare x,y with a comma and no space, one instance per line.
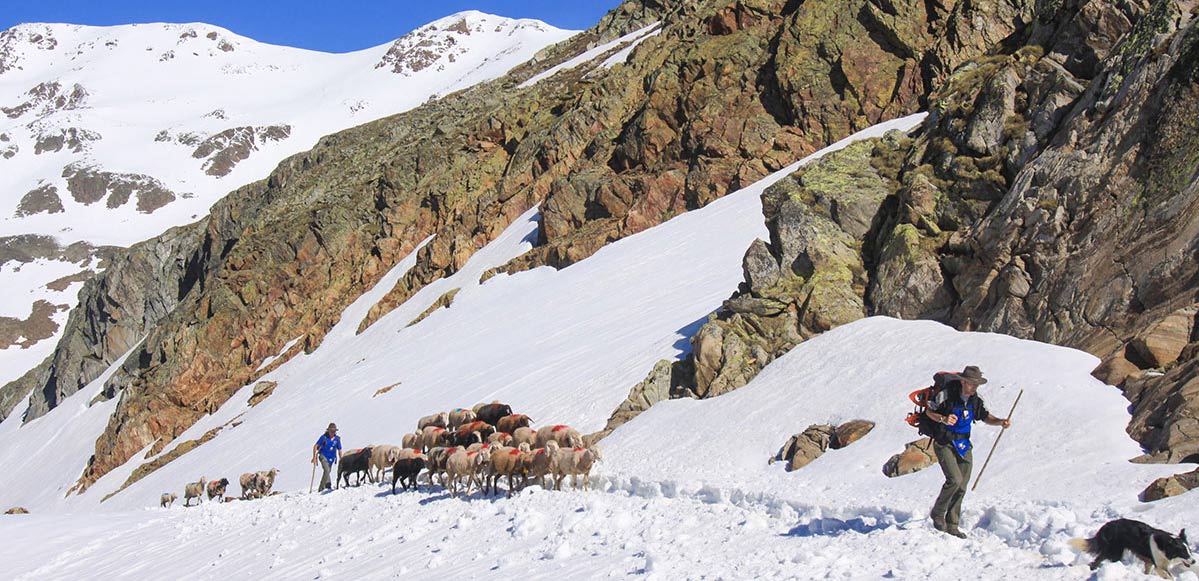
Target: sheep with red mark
483,429
565,436
440,420
500,439
383,457
511,423
194,490
431,437
356,462
216,488
504,462
460,416
573,462
465,466
539,463
524,436
493,412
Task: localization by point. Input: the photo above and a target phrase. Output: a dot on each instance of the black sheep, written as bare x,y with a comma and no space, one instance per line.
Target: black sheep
354,463
492,412
405,471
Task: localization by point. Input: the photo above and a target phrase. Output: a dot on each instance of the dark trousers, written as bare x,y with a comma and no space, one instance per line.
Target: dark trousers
948,508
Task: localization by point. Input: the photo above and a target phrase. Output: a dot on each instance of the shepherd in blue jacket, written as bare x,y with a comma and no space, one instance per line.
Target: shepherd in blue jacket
955,408
328,451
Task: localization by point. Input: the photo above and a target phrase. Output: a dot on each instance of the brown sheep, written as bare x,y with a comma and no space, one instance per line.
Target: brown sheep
504,462
440,420
525,436
167,499
565,436
216,488
194,490
483,429
459,417
500,439
511,423
412,440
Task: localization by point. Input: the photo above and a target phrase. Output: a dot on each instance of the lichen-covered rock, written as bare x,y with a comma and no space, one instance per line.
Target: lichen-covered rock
1170,486
916,456
16,510
262,390
802,448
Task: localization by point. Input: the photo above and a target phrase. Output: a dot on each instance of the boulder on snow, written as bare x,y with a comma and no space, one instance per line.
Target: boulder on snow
850,432
262,390
915,457
16,510
1171,486
804,447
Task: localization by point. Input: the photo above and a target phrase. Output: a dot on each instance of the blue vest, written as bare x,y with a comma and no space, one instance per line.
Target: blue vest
959,432
329,446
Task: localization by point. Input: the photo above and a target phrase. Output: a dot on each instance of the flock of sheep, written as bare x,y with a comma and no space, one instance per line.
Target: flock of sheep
476,448
253,485
458,450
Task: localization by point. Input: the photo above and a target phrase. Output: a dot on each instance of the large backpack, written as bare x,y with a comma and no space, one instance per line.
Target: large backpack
917,419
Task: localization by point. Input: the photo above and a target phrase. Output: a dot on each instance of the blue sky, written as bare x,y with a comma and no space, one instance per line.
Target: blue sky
328,25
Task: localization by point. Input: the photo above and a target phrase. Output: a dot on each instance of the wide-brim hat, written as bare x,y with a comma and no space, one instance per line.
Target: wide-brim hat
332,427
973,375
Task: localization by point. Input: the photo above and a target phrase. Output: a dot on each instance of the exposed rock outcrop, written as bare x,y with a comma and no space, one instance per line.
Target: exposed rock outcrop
916,456
223,151
1171,486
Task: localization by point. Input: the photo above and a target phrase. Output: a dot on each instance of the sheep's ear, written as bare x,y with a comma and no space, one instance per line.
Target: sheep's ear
1183,535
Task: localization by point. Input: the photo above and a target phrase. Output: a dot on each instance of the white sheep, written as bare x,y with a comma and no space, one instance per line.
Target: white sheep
440,419
412,440
573,462
249,485
383,458
525,436
431,437
194,490
459,417
465,465
565,436
539,462
167,499
264,480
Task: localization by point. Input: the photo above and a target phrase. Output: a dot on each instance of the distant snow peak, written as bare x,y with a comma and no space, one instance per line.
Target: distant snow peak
442,41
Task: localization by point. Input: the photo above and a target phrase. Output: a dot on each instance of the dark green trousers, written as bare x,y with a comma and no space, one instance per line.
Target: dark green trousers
948,508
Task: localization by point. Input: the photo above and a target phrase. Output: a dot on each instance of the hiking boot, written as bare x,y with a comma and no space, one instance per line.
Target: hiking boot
939,524
955,531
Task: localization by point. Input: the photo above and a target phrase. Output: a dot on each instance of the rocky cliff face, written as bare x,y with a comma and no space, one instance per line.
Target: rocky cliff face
726,92
1050,194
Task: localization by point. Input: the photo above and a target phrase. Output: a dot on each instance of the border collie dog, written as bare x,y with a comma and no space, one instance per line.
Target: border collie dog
1156,548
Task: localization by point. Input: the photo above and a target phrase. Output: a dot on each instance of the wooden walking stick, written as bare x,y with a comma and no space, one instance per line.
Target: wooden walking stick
313,479
996,444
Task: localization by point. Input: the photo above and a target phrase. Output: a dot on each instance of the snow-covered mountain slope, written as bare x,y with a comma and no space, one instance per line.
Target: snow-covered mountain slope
684,490
112,135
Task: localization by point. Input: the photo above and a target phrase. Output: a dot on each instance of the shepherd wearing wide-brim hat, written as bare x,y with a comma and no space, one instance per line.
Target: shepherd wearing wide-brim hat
955,409
328,451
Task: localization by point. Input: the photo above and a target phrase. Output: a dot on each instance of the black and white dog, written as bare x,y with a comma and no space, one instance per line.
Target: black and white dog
1156,548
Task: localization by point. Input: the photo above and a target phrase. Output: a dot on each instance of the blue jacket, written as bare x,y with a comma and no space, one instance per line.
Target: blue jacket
969,410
